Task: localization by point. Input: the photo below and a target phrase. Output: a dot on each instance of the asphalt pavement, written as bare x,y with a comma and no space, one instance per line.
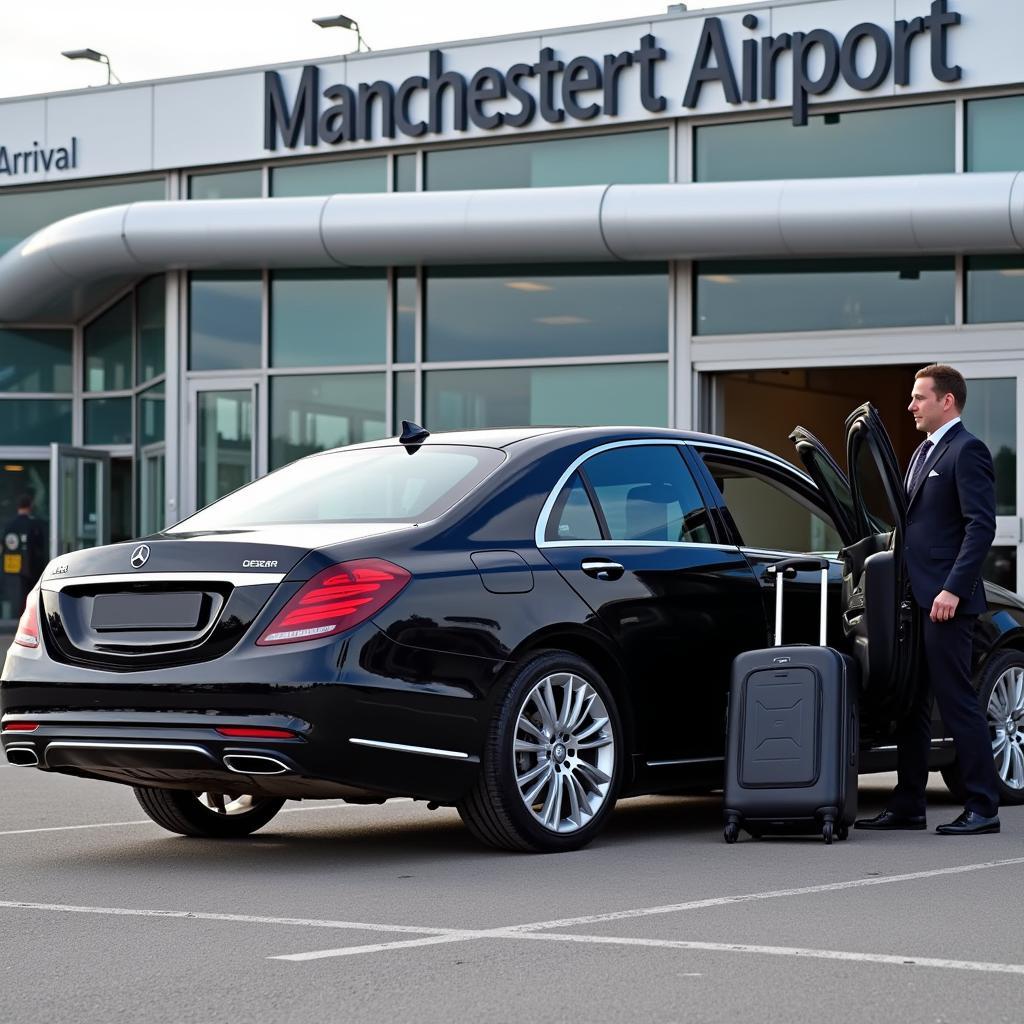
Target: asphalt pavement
342,913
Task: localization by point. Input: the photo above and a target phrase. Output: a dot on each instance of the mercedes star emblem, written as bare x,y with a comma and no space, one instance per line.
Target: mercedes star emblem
140,556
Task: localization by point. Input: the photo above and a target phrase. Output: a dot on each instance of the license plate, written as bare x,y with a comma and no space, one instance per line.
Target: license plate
146,611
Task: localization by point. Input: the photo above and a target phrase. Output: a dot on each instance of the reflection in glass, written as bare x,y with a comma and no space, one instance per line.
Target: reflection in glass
224,432
23,213
754,296
995,289
227,185
20,478
1001,567
550,395
899,140
314,412
108,420
35,360
632,158
151,415
328,318
405,315
35,421
328,178
150,311
647,494
108,349
152,473
404,399
995,134
573,517
405,172
542,311
991,414
224,320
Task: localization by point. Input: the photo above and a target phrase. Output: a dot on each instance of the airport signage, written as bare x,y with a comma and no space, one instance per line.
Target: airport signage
580,88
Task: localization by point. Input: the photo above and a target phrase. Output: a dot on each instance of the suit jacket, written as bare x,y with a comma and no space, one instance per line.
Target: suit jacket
951,521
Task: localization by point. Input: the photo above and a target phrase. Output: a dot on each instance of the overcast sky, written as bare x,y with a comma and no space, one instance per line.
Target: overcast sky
150,39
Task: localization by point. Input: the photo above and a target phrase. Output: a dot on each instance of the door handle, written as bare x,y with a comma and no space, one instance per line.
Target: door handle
602,568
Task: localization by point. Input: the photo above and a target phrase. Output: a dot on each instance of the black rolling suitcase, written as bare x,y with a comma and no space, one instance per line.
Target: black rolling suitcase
791,762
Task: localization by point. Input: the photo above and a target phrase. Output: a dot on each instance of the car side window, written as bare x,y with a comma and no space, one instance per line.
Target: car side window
573,516
646,493
770,516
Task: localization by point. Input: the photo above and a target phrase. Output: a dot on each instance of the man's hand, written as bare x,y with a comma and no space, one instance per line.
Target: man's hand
944,607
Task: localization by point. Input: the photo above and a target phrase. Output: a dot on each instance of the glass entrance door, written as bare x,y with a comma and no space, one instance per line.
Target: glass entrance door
993,412
79,498
223,428
152,475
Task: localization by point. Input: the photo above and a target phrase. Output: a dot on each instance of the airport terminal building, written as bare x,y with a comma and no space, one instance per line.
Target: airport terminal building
732,219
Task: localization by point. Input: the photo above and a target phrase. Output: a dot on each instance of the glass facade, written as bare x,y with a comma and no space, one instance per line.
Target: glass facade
995,289
108,421
330,177
627,157
314,412
328,318
991,414
151,316
625,393
108,349
538,311
995,134
226,185
405,315
35,360
35,421
899,140
23,213
755,296
225,320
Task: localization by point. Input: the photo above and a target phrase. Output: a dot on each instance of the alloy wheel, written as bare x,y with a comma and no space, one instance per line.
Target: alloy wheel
563,752
1006,725
227,803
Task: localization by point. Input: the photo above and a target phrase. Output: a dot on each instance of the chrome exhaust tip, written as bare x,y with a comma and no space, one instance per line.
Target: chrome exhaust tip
255,764
22,757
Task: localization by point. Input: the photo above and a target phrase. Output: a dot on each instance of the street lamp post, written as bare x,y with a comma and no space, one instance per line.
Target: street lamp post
342,21
95,55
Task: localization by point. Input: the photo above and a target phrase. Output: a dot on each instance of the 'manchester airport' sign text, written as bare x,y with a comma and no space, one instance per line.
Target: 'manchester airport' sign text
586,87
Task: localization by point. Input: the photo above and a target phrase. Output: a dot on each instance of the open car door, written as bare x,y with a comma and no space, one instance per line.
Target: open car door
879,618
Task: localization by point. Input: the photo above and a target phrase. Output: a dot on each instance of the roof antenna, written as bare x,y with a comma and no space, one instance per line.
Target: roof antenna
413,435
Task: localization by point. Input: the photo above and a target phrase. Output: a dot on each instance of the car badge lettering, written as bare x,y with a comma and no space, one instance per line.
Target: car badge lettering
60,570
259,563
781,661
140,556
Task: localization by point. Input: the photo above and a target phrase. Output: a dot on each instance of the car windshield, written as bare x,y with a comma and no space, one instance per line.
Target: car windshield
357,485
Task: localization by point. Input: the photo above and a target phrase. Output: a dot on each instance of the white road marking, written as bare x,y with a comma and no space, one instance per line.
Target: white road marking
899,960
533,929
380,947
190,915
146,821
721,901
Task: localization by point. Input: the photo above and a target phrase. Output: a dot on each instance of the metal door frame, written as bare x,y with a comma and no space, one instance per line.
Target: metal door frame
61,451
242,382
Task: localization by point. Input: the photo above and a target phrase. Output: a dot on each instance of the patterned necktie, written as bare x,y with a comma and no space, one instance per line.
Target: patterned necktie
917,466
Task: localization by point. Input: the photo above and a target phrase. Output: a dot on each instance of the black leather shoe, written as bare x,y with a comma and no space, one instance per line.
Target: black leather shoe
970,823
890,820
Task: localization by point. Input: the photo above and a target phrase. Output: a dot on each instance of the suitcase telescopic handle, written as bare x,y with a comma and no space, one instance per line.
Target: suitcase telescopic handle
788,567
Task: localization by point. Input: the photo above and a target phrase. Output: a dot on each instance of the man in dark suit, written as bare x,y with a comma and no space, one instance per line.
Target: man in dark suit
951,521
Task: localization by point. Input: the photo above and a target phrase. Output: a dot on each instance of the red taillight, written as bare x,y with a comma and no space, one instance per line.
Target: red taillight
20,726
244,732
335,600
28,625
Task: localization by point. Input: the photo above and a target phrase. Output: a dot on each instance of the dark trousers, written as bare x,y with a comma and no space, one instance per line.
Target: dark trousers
947,676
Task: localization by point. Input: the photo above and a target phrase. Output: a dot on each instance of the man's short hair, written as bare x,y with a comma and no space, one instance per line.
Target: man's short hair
947,382
25,501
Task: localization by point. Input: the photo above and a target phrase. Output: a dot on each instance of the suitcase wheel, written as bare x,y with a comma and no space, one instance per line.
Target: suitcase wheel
843,833
827,832
731,832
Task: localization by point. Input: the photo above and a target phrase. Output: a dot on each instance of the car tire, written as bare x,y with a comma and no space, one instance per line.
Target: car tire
1000,686
210,815
552,759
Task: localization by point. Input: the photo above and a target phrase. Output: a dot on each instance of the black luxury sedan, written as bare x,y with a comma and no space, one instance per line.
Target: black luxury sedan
523,623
